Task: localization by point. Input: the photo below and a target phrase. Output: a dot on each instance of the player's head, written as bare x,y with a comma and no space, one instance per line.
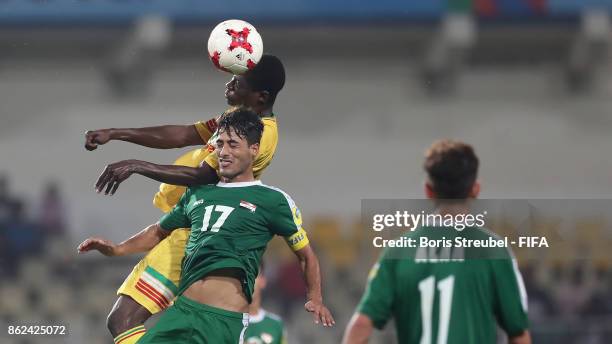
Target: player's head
452,168
237,145
258,87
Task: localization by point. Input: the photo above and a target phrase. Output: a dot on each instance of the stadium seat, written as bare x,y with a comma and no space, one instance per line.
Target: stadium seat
57,299
14,299
58,249
96,299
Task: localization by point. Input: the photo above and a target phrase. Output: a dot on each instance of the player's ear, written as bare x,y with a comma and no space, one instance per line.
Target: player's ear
429,191
475,189
264,97
254,148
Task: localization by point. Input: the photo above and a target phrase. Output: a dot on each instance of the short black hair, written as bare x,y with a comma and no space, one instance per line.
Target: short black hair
452,168
245,122
268,75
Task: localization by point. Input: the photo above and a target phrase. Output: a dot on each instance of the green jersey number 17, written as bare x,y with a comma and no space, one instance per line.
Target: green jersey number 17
225,213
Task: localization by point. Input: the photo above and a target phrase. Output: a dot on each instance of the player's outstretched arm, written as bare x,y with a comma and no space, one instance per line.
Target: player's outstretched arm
161,137
141,242
523,338
115,173
312,274
358,330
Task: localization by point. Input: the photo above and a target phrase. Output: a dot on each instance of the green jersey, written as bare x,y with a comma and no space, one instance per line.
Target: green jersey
446,295
231,225
265,328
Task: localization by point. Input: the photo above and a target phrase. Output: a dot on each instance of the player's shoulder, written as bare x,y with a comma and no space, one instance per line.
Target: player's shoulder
273,317
199,188
277,194
269,121
497,252
270,130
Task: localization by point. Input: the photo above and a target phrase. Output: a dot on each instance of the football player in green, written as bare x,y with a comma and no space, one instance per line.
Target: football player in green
231,224
458,295
264,327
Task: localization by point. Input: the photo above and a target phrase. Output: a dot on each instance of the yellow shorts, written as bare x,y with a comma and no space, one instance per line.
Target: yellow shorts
154,281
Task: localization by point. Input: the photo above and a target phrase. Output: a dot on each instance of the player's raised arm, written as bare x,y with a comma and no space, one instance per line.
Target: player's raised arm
115,173
141,242
312,275
287,222
160,137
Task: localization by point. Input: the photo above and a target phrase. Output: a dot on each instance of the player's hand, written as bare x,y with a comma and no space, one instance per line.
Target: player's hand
93,138
320,313
114,174
107,248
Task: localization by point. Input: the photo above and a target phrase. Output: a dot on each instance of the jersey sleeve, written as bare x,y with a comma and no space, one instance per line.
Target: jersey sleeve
377,301
510,296
168,195
212,160
206,129
287,222
267,147
177,217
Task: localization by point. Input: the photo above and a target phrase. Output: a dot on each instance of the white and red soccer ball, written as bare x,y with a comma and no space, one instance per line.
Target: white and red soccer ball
235,46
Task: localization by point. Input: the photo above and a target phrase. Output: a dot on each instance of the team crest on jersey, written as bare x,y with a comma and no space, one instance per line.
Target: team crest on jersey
250,206
267,338
264,338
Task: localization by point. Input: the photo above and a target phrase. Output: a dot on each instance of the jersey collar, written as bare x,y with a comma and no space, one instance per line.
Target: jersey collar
261,314
239,184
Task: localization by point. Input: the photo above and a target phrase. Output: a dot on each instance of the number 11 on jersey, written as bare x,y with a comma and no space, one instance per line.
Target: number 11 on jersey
427,289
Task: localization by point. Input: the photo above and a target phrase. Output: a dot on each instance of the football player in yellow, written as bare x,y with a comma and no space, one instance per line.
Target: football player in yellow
153,283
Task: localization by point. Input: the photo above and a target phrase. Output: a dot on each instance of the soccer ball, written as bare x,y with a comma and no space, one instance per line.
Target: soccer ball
235,46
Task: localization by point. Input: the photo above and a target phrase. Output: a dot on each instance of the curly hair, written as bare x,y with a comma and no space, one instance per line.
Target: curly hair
245,122
268,75
452,168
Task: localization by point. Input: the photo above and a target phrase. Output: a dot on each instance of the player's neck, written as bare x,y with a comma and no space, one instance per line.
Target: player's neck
452,208
247,176
254,307
265,112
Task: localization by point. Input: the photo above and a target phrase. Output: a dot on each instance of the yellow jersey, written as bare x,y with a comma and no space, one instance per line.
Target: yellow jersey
168,195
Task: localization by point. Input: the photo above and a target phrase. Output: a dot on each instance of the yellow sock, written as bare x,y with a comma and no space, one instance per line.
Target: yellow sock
131,336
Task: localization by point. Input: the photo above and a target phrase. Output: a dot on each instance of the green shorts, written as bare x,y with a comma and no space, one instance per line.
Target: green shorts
188,321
